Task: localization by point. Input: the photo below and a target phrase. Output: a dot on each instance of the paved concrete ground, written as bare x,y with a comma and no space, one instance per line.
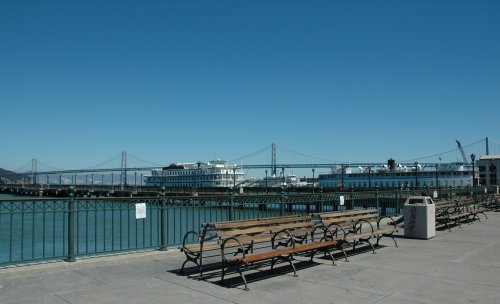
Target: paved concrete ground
462,266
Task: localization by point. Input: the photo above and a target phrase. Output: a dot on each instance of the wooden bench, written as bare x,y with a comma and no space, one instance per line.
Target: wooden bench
473,207
285,243
491,203
443,211
452,213
358,226
249,235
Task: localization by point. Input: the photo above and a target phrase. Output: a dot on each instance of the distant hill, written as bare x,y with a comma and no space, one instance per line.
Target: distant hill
3,179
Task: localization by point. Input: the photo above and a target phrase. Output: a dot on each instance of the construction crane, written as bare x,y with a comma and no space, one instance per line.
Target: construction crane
461,152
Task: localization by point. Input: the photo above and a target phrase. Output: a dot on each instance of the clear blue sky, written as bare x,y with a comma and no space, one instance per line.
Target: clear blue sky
189,80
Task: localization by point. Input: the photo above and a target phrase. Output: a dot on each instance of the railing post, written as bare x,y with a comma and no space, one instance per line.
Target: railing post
163,219
321,200
289,206
71,226
334,202
397,201
377,203
231,206
352,199
282,201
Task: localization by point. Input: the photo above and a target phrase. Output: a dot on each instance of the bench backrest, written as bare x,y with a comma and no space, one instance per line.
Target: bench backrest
445,205
346,217
257,228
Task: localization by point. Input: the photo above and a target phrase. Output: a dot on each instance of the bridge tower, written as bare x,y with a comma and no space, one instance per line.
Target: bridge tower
273,160
33,171
123,175
487,146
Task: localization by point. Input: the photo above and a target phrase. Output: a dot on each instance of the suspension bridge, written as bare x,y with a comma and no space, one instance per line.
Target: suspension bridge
126,169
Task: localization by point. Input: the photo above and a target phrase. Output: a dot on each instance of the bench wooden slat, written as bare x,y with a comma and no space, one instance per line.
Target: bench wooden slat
347,213
248,231
258,222
257,257
350,219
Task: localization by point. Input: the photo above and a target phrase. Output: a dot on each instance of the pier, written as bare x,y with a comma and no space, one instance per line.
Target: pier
40,229
460,266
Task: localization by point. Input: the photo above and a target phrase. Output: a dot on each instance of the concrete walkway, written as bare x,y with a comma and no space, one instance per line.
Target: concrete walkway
461,266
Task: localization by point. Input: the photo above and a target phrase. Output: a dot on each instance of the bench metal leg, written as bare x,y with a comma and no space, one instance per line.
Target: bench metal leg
326,251
448,226
388,235
273,261
195,261
223,271
237,268
343,251
290,257
243,277
331,256
363,241
371,245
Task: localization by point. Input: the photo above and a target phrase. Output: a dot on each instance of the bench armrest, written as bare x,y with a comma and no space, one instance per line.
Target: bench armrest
333,231
392,222
241,249
185,240
285,239
359,224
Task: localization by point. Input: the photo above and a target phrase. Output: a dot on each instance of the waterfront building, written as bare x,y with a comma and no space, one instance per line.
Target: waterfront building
403,177
488,173
216,173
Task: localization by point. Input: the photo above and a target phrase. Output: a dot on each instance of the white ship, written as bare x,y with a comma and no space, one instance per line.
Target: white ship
216,173
392,176
290,180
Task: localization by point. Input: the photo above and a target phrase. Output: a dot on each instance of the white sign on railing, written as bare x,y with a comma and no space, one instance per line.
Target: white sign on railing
341,200
140,210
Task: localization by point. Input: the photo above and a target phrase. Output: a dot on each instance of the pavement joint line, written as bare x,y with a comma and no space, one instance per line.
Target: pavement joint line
61,298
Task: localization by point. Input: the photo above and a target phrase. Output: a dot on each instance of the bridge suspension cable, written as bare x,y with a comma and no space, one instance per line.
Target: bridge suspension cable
298,155
45,165
260,152
114,160
24,168
132,157
447,156
494,145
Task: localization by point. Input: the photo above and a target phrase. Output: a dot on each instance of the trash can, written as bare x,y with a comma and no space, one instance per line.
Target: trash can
420,217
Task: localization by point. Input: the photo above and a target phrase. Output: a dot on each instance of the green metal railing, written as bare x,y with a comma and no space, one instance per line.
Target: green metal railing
65,228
